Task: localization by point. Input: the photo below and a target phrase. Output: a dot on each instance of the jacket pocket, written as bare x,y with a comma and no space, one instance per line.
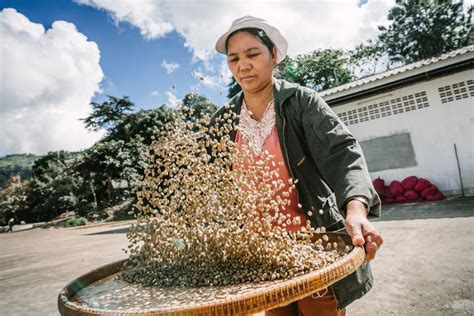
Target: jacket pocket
316,132
312,135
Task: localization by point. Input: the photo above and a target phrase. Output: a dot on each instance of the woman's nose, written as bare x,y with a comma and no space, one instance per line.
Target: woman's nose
244,65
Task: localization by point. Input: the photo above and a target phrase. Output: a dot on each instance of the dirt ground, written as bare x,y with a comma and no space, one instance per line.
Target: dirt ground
426,265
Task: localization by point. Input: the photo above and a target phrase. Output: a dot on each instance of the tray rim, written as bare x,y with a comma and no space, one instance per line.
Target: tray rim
260,299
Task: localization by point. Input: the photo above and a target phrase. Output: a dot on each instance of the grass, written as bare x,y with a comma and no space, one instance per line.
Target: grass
76,221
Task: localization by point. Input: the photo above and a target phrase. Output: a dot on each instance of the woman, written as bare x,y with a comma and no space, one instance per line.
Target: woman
298,128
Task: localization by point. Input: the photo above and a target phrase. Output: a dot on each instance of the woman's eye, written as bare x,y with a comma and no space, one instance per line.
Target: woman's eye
254,55
232,60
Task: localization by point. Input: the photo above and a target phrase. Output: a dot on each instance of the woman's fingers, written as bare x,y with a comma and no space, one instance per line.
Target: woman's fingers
373,242
370,251
355,231
377,238
363,233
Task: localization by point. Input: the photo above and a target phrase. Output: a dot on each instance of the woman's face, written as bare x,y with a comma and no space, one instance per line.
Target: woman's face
250,61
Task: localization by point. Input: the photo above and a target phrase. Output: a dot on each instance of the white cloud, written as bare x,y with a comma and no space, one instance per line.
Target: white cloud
207,80
47,80
306,24
214,81
155,93
170,67
173,101
225,73
147,15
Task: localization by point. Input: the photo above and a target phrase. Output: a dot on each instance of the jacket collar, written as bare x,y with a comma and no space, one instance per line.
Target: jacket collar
282,89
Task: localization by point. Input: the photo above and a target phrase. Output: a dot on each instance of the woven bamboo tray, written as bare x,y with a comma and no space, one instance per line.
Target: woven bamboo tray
244,299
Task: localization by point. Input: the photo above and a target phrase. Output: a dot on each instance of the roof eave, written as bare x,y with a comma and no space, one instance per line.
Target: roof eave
385,84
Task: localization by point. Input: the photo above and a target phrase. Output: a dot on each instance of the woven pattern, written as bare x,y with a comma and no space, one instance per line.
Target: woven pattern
269,296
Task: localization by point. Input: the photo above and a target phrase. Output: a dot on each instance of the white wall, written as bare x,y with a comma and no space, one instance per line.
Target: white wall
434,130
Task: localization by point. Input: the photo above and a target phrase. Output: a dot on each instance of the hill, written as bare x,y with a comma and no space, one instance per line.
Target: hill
14,164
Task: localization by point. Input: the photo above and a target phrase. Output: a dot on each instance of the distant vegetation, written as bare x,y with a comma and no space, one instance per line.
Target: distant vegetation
11,165
91,182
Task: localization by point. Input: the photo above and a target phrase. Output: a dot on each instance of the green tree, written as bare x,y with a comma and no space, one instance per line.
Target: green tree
11,165
109,162
322,69
109,113
422,29
287,69
199,105
120,156
13,199
145,124
364,59
55,185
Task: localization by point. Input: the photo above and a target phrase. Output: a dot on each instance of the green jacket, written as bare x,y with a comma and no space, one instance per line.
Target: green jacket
328,162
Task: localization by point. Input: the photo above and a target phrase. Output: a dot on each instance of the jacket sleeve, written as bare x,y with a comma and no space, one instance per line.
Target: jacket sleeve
337,154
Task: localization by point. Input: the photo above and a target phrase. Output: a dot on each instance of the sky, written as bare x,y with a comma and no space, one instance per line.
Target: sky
58,56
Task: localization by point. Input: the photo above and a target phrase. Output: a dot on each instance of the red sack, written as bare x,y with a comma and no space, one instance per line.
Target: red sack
429,191
422,184
438,196
419,199
396,188
387,193
411,195
388,201
409,182
400,199
379,186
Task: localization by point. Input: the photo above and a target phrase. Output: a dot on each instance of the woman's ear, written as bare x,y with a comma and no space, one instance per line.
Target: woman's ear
274,57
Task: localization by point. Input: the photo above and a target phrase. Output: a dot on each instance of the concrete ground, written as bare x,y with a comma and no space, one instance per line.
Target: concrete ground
425,267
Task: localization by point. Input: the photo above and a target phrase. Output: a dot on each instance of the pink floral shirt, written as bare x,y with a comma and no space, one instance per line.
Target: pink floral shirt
262,137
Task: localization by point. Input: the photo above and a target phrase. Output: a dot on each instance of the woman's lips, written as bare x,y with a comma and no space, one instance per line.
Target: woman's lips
247,78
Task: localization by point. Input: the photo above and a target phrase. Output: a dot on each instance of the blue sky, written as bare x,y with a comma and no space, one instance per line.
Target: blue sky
131,63
57,56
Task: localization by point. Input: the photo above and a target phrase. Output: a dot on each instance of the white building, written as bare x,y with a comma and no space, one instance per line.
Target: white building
409,119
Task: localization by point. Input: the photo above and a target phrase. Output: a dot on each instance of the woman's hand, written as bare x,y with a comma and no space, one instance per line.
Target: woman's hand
362,232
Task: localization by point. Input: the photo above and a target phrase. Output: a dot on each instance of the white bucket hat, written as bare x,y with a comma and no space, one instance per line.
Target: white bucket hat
272,32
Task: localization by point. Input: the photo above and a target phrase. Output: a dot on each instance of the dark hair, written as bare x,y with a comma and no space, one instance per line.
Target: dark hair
260,34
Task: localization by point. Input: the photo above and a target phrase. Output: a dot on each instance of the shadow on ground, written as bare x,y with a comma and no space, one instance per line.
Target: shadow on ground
449,208
120,230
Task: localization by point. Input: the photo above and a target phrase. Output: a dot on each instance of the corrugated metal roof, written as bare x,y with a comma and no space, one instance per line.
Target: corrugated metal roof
398,71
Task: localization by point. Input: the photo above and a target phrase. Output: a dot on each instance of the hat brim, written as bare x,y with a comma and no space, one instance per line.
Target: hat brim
273,33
